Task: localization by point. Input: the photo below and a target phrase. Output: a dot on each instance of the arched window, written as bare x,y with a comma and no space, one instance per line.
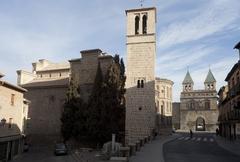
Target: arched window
142,84
138,83
144,24
137,25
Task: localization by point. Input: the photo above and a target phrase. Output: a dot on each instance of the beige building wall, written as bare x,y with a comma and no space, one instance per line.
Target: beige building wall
47,85
13,117
163,96
163,99
140,82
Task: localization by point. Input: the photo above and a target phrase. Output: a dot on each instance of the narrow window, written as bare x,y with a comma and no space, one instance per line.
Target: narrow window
12,99
60,74
138,83
50,75
41,75
142,84
144,24
137,25
207,105
10,122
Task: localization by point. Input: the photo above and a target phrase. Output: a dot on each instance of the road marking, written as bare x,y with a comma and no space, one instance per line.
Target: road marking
193,138
205,139
180,138
187,138
199,138
211,139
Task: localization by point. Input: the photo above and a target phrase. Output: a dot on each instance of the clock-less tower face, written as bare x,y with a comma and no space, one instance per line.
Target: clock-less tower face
141,53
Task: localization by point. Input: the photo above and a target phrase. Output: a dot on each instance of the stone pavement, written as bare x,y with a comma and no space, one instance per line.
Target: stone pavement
153,151
232,146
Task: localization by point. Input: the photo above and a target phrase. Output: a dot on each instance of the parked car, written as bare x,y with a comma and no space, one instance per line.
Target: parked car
60,149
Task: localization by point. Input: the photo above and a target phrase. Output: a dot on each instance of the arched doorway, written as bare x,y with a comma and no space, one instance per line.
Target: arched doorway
200,124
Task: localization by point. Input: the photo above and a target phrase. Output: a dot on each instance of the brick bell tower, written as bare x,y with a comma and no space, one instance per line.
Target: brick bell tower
140,72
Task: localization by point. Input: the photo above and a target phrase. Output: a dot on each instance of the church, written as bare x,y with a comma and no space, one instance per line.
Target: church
198,108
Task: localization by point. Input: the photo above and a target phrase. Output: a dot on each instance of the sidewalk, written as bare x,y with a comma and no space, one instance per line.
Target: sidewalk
232,146
153,151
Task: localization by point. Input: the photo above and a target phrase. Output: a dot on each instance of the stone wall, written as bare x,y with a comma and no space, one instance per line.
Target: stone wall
176,115
45,112
140,101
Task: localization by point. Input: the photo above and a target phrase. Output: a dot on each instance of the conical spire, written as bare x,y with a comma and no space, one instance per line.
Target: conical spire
210,78
1,75
187,79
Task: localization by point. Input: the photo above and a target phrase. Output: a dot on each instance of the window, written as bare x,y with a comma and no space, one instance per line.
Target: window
50,75
144,24
137,25
138,83
60,74
207,104
10,122
12,99
3,122
142,83
233,82
41,76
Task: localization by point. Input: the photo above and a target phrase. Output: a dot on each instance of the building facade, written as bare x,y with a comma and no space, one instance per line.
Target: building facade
84,69
140,73
198,108
163,99
229,103
13,116
47,87
176,115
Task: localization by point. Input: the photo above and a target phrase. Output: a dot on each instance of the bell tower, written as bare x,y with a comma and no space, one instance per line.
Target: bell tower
140,72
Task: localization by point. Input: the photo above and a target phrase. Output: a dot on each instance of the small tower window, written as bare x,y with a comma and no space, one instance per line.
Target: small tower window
137,25
142,83
144,24
138,84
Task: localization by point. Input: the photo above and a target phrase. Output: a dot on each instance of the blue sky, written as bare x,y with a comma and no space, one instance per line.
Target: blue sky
194,34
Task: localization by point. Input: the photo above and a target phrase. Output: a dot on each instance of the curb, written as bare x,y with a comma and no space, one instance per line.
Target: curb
164,142
218,141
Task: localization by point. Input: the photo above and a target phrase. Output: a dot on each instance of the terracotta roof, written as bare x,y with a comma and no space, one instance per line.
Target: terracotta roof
47,83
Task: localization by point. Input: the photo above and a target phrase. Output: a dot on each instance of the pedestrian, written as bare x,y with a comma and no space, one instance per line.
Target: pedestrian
217,132
191,133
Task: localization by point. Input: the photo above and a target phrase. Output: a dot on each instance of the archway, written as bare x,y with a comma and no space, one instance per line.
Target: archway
200,124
